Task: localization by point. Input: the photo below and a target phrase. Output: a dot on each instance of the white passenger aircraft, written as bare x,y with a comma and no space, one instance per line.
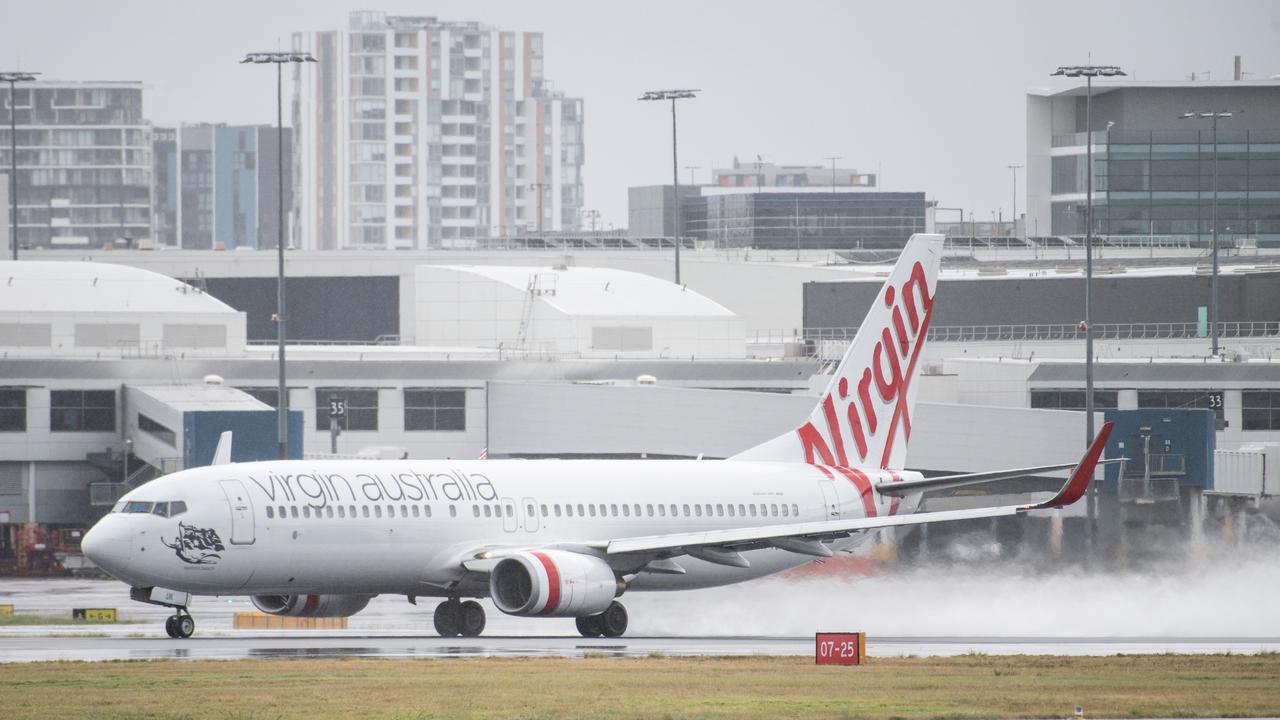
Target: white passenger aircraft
555,538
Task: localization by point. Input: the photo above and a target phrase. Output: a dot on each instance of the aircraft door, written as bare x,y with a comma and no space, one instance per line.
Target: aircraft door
242,530
530,515
830,498
510,522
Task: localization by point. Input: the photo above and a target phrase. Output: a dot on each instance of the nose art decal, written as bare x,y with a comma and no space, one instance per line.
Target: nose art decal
197,546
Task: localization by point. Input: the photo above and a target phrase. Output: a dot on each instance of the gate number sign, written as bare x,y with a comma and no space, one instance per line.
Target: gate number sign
337,407
839,648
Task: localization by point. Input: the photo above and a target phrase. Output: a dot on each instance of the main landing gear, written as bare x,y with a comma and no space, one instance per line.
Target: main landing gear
455,618
180,625
611,623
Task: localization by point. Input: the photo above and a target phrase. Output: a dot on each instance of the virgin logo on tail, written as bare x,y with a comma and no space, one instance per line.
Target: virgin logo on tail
868,402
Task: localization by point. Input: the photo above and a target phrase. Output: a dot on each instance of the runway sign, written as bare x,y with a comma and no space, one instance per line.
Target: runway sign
94,614
847,648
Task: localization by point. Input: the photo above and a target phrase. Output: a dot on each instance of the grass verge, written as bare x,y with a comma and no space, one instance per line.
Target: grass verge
744,687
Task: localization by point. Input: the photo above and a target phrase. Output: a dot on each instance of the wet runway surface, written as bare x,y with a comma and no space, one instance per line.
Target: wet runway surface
391,628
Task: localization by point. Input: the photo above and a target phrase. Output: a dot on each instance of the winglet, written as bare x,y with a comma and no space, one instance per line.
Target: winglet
222,454
1080,478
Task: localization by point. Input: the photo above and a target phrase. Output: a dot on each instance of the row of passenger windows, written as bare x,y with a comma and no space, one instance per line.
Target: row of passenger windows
545,510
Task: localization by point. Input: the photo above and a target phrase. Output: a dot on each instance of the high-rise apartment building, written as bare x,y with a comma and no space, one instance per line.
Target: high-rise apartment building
217,186
84,163
414,132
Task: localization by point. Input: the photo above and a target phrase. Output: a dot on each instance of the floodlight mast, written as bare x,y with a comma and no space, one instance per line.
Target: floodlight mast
1213,278
282,391
673,96
13,78
1089,72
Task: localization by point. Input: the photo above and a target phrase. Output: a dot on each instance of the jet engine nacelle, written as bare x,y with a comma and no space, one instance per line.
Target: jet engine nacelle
311,605
553,583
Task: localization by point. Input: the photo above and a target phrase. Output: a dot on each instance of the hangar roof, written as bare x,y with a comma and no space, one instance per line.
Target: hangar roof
95,287
596,291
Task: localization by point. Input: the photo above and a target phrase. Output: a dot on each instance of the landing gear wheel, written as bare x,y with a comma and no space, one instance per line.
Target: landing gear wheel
590,626
185,625
171,626
447,618
470,619
613,621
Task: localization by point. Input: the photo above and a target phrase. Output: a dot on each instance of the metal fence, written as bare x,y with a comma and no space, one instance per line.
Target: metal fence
1066,331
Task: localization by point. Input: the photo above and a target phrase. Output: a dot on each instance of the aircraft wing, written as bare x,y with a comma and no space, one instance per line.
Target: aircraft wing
723,546
805,537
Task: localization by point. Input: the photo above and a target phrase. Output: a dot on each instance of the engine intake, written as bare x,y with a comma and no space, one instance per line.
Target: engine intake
311,605
553,583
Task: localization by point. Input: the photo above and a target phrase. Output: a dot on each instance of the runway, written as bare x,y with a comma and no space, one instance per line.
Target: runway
392,628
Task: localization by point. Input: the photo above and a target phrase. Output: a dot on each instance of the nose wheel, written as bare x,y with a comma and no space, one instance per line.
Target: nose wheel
180,626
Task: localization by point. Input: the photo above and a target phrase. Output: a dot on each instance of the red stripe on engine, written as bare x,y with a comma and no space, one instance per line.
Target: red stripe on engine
553,583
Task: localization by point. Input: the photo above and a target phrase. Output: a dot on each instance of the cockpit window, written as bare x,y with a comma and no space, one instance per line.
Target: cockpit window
161,509
176,508
138,506
118,507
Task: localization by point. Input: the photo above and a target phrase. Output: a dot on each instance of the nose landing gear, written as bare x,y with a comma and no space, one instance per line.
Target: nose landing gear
180,625
611,623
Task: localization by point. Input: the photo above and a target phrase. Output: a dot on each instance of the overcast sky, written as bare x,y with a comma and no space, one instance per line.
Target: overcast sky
929,93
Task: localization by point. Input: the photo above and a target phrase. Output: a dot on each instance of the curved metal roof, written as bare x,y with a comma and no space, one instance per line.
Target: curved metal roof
34,286
596,291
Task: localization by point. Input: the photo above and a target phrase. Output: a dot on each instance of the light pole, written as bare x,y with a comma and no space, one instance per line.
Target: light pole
691,169
282,392
1089,72
832,159
1213,279
1014,169
673,96
13,78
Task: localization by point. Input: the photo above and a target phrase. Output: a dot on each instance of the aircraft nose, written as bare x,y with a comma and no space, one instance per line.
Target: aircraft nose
107,543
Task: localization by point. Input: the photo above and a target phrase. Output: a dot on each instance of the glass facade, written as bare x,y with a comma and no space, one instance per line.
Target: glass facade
814,219
84,164
1161,183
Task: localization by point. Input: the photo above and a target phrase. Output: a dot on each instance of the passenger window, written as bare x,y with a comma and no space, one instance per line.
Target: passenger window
328,511
636,509
649,509
719,510
662,510
306,511
488,512
686,510
426,511
556,508
785,510
415,511
404,511
364,510
673,510
742,510
603,509
453,511
280,511
293,511
581,512
342,511
626,511
270,513
543,509
697,509
592,508
377,511
568,510
795,511
731,510
773,510
351,510
475,510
